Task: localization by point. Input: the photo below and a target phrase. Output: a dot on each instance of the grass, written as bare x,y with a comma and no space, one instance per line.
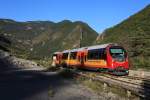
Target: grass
44,62
47,63
139,63
94,85
99,88
66,73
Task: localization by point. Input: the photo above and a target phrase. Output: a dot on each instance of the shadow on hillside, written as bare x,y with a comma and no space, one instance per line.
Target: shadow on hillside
27,85
146,90
4,42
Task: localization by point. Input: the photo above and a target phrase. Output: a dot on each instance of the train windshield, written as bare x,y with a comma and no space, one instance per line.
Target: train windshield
118,54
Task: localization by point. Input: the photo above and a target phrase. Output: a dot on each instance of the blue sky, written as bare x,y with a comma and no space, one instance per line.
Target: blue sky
99,14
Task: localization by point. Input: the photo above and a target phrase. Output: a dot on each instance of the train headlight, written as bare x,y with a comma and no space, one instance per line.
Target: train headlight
112,65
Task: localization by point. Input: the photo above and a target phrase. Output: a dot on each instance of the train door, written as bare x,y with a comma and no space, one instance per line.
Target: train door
82,59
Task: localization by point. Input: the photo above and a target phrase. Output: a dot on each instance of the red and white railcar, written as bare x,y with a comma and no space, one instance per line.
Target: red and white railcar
107,57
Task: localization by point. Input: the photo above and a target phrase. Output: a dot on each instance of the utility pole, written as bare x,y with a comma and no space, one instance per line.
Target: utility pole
81,37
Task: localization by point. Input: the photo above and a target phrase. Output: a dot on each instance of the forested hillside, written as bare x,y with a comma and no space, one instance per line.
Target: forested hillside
134,34
39,39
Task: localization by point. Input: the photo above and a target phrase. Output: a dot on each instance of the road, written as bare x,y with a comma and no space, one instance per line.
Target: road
19,84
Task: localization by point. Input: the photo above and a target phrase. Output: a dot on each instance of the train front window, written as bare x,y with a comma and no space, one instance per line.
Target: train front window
118,54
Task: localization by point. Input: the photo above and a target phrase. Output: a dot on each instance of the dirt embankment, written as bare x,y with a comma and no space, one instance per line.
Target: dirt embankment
17,63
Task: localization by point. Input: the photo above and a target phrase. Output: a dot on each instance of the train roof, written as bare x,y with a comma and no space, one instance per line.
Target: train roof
78,49
56,52
100,46
90,47
73,50
65,51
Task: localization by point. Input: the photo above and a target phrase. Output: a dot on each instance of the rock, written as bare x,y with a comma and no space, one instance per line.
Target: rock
18,62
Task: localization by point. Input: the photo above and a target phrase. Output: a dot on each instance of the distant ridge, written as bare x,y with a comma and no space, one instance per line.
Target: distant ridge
39,39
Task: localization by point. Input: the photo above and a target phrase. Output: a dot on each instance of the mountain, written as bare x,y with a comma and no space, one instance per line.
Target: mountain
38,39
134,34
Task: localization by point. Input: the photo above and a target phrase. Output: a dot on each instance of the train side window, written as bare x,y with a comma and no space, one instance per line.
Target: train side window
97,54
65,56
94,54
73,55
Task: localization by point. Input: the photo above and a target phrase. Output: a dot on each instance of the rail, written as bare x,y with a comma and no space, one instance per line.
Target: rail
136,85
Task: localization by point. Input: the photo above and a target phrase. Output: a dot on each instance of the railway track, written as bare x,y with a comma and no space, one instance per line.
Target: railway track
132,80
133,84
129,78
137,78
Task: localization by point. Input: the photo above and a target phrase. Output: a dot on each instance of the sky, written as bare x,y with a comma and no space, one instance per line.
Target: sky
98,14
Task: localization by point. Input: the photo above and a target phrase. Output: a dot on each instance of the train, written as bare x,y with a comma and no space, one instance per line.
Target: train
111,58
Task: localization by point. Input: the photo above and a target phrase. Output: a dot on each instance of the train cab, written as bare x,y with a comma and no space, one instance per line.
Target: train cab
117,59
